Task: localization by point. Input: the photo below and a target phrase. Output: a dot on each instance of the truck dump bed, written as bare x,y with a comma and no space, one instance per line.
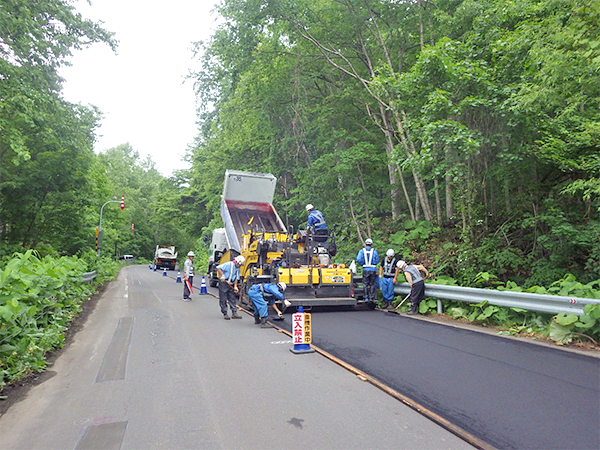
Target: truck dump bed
247,205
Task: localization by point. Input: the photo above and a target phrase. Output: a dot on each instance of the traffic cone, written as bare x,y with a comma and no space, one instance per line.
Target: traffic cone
203,286
155,268
150,266
165,272
178,280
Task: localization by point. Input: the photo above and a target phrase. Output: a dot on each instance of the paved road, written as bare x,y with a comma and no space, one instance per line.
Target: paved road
508,393
149,371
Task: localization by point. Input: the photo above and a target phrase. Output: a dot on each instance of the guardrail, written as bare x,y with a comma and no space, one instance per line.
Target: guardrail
88,277
552,304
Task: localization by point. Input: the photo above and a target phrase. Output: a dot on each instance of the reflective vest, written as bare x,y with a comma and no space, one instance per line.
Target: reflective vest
368,254
389,267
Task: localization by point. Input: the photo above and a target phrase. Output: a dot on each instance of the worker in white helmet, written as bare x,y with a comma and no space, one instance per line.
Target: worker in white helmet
368,258
264,295
188,275
229,277
413,274
316,223
388,273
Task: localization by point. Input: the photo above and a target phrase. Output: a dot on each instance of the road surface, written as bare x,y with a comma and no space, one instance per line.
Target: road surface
149,371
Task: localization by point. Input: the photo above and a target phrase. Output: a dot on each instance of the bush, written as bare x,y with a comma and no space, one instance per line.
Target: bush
39,297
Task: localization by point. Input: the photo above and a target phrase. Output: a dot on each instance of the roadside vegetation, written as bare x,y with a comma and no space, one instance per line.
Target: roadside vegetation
463,134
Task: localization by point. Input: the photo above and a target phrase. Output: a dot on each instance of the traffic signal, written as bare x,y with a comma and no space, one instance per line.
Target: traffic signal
122,202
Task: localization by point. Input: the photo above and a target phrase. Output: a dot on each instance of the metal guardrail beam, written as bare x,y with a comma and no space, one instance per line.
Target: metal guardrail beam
88,277
552,304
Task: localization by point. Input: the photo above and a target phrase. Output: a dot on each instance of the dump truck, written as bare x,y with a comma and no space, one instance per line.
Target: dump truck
273,253
165,257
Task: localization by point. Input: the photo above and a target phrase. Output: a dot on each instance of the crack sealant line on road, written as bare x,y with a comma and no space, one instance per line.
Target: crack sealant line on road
456,430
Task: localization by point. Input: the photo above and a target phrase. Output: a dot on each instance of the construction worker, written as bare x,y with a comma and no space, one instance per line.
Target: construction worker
316,222
388,272
263,295
368,258
229,276
188,275
412,273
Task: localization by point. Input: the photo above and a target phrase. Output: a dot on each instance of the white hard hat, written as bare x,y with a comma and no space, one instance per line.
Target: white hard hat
401,264
309,207
282,286
369,241
240,260
191,254
390,252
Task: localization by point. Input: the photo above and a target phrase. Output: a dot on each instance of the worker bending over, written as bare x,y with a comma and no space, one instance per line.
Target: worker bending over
264,294
412,273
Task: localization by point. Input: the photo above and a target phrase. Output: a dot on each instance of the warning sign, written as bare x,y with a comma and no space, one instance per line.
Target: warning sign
301,329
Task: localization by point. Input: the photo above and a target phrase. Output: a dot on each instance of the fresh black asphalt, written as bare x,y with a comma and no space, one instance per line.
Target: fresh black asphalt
508,393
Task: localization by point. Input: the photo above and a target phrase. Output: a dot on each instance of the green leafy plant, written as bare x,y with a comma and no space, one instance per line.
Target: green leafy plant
39,297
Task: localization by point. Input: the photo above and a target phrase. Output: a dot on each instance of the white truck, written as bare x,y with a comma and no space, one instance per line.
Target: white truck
165,257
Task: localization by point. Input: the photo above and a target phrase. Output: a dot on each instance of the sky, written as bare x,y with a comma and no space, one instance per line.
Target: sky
141,91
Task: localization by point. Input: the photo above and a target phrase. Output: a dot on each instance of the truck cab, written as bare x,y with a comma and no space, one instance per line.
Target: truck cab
218,247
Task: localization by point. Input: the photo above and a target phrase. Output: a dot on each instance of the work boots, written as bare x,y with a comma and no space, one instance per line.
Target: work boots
257,319
263,322
414,309
235,315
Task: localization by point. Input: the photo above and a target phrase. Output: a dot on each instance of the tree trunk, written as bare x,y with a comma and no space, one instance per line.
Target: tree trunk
438,203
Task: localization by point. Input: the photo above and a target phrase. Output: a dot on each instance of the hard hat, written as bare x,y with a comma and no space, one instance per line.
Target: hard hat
390,252
369,241
282,286
191,254
240,260
401,264
309,207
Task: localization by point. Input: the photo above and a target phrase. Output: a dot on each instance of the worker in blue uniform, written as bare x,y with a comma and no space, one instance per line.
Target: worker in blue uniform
229,277
316,222
262,296
368,258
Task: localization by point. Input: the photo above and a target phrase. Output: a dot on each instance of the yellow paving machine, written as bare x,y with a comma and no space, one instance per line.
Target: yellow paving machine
253,229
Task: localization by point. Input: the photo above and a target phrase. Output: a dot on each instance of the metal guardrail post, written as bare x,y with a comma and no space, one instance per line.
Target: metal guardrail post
552,304
88,277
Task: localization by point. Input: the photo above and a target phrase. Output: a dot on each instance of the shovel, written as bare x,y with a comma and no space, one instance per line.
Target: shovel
395,310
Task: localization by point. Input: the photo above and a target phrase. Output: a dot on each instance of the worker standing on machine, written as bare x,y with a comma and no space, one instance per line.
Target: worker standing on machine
316,222
388,273
368,258
229,275
263,295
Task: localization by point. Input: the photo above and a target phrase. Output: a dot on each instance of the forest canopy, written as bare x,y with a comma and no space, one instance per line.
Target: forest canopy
478,118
